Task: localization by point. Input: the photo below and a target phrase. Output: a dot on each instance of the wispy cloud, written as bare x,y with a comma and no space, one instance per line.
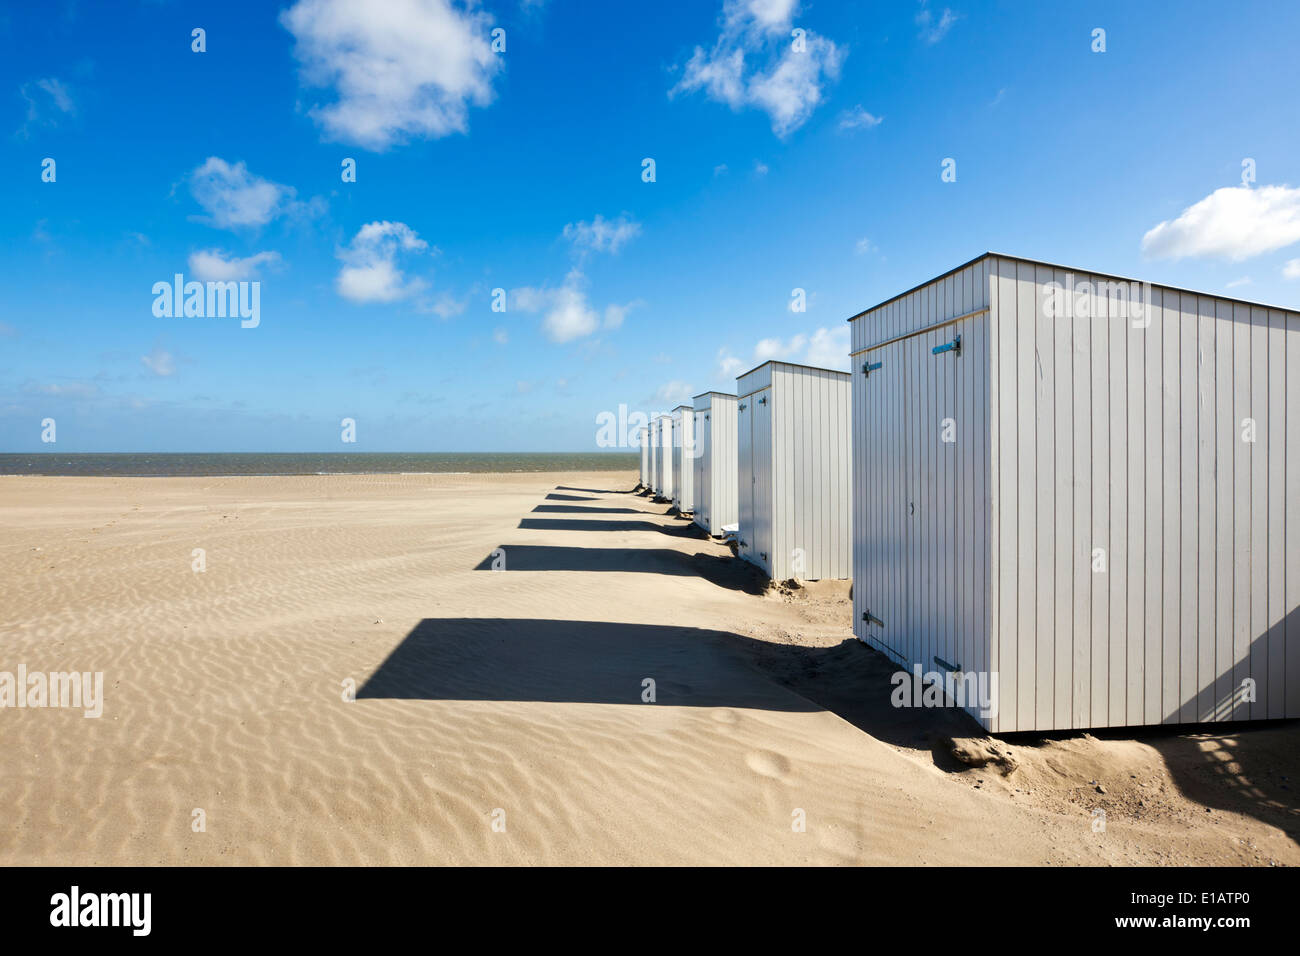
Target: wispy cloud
788,86
65,389
48,100
234,198
218,266
858,118
601,234
401,69
161,362
935,26
672,393
1233,223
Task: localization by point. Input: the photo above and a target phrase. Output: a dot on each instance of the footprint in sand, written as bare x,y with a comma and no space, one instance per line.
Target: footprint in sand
768,764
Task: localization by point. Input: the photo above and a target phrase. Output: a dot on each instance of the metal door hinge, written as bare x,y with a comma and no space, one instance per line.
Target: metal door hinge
954,346
742,406
870,619
763,400
869,367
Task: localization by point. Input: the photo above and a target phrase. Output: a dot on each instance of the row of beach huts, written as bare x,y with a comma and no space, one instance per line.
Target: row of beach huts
1080,491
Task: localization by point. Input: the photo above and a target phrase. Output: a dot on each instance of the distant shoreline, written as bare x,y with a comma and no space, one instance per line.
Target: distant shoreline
258,464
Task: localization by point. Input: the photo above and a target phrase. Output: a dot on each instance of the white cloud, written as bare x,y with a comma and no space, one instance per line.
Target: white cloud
160,362
401,68
370,272
1244,280
728,365
864,246
828,348
1234,223
777,349
568,314
788,86
760,168
217,266
601,234
858,118
500,336
673,393
234,197
616,314
935,28
825,348
1291,270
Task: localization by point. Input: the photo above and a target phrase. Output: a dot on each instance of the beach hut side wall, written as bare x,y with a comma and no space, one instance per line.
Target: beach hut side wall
811,435
685,454
754,468
722,462
1146,505
700,466
654,456
643,438
793,455
665,443
715,468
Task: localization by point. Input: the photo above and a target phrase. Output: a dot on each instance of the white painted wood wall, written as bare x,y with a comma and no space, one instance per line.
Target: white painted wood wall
793,471
654,455
684,456
715,468
664,456
643,439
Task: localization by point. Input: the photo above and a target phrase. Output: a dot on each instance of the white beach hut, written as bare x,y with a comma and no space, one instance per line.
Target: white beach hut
793,458
664,457
715,465
685,451
653,432
643,439
1083,492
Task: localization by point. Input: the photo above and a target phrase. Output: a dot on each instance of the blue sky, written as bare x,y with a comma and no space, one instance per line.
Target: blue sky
775,169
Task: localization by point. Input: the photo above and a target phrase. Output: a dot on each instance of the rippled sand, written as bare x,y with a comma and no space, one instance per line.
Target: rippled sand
512,696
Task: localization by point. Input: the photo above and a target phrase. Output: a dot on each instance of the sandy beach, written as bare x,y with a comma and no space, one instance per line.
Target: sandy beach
499,714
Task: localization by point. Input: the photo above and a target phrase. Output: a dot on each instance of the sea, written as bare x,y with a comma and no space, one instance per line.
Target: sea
330,463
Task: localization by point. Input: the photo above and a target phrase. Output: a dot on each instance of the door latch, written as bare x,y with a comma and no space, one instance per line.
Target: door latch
954,346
